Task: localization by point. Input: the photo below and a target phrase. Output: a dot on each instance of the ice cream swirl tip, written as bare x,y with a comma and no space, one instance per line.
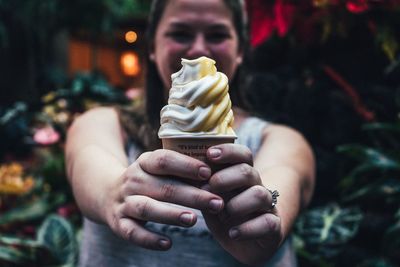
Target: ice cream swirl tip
199,102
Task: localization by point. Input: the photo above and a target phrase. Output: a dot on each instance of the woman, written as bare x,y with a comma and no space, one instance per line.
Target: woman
126,193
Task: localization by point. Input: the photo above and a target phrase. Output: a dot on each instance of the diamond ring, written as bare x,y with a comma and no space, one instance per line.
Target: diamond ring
275,195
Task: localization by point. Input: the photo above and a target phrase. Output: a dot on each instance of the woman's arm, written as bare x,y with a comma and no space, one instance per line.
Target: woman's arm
286,163
110,191
249,228
95,158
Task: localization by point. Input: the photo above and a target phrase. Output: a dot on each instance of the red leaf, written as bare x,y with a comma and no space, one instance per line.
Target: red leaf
357,6
283,16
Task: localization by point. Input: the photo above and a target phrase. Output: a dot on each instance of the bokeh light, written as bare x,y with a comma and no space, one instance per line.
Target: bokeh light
130,63
130,37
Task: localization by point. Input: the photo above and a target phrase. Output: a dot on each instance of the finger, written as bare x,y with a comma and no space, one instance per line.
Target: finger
134,232
147,209
230,153
267,224
168,162
234,177
256,199
172,191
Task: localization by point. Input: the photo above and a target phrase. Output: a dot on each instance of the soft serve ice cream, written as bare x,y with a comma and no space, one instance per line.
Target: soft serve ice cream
198,114
199,104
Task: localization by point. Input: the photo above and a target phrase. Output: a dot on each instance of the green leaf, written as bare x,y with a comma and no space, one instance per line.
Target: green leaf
386,190
57,235
326,229
15,241
395,228
32,210
370,157
14,255
392,127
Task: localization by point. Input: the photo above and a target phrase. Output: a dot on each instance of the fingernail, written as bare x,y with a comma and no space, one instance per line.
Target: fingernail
214,152
204,173
215,205
234,233
163,243
186,219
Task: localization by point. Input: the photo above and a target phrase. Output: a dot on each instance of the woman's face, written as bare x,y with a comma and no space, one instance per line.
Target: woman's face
193,28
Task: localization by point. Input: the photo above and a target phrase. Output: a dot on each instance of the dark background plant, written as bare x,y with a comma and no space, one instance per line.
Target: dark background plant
40,225
33,36
331,70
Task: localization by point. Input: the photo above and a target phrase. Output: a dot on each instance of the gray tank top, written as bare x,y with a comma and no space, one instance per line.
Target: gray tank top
194,246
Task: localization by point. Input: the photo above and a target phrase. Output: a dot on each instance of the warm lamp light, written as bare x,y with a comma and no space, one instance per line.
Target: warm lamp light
130,36
130,63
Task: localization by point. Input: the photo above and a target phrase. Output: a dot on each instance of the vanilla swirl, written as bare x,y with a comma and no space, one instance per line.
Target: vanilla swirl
199,103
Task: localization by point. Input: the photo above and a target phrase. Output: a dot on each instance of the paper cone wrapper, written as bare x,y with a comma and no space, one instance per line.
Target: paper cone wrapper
195,147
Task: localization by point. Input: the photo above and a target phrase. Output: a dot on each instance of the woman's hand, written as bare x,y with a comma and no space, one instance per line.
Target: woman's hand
146,189
248,227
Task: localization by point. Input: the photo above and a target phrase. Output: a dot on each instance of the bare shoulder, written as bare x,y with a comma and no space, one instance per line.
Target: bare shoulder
283,144
96,120
282,132
96,123
97,127
98,114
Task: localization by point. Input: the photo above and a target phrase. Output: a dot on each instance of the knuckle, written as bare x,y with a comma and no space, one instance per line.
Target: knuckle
132,181
128,232
248,154
168,191
162,161
217,181
143,209
114,221
245,170
232,206
125,178
246,228
143,157
260,193
272,223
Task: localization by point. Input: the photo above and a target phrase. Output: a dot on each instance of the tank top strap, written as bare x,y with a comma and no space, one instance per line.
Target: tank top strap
250,133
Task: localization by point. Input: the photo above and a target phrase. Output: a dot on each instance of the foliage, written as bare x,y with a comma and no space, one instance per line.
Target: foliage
55,236
32,55
327,229
33,182
366,199
331,70
48,16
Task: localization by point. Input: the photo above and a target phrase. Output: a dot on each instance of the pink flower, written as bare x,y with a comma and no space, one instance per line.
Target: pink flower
357,6
46,136
284,13
133,93
67,210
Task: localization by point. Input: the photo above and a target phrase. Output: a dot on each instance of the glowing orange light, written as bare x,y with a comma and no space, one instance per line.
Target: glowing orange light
130,63
130,36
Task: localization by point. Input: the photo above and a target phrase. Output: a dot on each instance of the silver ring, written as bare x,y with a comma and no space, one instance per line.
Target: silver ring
275,195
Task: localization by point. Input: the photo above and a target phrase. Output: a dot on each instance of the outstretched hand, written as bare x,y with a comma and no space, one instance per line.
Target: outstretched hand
248,227
146,189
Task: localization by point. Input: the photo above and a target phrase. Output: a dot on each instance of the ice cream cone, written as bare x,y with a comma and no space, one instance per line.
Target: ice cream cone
199,110
195,147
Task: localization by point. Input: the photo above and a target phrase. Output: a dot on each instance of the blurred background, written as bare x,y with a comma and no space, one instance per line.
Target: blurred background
329,68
